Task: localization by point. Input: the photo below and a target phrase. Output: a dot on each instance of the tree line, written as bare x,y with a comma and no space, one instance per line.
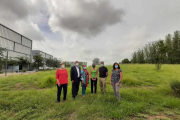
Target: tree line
165,51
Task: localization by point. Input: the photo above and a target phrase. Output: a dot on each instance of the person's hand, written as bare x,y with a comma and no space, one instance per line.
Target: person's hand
110,83
118,84
82,82
59,83
72,81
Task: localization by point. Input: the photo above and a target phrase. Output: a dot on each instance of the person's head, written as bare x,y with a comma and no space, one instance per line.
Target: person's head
102,63
116,66
84,66
62,65
76,63
93,65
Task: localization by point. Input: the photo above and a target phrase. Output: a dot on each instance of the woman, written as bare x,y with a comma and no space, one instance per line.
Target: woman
61,81
115,79
85,79
93,75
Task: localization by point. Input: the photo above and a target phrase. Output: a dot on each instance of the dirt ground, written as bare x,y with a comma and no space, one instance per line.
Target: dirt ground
13,74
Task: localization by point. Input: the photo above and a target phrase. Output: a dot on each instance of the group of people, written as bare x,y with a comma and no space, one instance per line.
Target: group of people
82,76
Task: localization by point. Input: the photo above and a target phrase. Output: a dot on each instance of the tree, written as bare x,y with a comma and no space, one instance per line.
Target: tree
146,54
49,62
140,56
56,63
168,44
134,57
38,61
96,61
67,64
160,53
175,44
23,61
162,49
125,61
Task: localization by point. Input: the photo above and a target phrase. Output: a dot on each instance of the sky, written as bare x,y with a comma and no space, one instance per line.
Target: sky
82,30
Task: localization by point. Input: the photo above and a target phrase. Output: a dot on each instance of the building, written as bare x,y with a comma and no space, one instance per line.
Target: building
16,44
43,54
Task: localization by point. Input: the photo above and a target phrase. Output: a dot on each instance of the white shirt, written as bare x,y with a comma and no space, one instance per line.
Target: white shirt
77,68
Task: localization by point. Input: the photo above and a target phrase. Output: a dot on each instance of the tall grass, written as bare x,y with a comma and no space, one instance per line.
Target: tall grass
144,92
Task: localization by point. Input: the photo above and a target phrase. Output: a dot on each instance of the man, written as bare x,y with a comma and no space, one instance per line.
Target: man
103,73
75,78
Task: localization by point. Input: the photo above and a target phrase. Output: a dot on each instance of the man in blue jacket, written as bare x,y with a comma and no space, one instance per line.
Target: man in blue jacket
75,78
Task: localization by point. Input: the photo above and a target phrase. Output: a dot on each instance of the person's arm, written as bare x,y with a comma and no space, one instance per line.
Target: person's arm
110,78
90,74
121,76
82,76
107,73
57,78
72,74
96,73
67,76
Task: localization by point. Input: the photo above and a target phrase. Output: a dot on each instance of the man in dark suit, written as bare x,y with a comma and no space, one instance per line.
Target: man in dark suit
75,78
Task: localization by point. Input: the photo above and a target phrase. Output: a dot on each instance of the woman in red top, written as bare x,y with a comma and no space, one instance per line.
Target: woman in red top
61,81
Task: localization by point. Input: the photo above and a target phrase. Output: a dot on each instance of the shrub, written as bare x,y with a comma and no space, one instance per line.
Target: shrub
48,82
24,70
175,85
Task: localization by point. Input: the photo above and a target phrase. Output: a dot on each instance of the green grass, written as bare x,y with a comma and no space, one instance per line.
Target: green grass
145,92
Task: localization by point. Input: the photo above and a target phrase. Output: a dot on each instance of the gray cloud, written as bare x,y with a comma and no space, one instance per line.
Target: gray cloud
16,15
93,18
19,8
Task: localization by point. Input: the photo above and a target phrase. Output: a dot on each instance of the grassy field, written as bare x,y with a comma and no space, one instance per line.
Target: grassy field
145,94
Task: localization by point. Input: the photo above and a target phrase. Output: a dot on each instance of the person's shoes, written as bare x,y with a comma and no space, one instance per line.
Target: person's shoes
65,100
83,96
73,98
58,103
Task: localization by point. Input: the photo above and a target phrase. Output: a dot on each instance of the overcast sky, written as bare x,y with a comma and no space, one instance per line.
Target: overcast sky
110,30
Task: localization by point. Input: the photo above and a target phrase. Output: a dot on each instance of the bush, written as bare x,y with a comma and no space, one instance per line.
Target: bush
48,82
24,70
175,85
1,72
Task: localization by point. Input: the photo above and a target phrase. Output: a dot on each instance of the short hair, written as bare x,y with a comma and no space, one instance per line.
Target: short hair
93,64
102,62
62,63
114,66
83,65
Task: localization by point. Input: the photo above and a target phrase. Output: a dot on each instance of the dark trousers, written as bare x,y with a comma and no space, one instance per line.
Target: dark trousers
59,88
75,88
94,83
